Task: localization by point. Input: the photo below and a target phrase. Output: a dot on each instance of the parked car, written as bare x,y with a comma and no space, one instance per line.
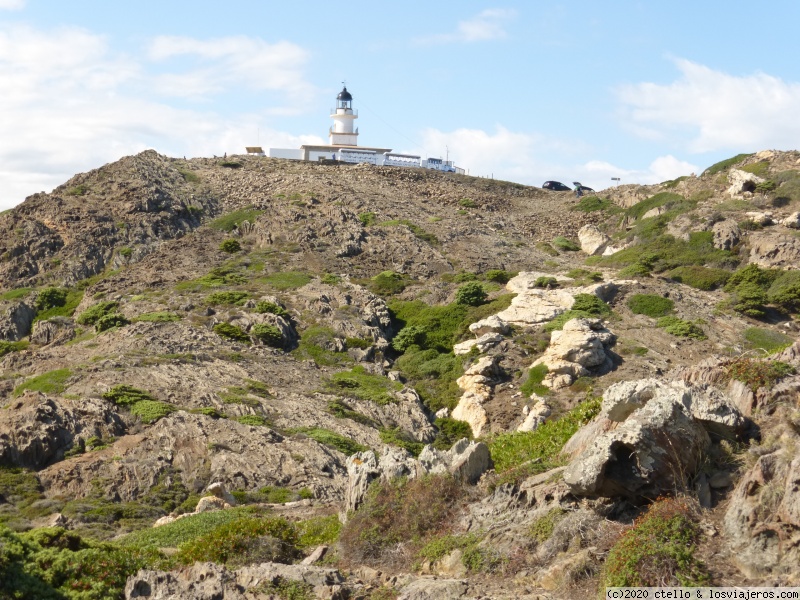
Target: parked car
556,186
581,189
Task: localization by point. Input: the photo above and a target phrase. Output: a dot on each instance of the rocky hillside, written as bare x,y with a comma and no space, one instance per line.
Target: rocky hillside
272,379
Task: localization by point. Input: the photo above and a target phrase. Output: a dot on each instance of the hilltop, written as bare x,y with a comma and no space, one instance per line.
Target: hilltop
316,338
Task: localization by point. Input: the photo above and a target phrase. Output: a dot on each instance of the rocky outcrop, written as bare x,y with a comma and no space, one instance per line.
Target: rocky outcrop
592,240
773,251
483,343
208,581
16,323
742,182
477,384
581,345
57,330
792,221
726,234
659,436
38,430
535,416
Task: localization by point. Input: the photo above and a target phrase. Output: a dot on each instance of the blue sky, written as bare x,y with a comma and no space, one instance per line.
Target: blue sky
525,91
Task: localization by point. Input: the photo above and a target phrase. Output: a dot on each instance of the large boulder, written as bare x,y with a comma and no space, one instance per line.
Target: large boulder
477,387
658,441
16,323
592,240
581,345
742,182
769,250
726,234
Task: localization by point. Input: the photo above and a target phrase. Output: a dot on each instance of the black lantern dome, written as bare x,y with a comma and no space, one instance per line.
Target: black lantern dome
344,99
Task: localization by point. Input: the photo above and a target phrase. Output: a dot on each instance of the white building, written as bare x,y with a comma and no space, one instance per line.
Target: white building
343,146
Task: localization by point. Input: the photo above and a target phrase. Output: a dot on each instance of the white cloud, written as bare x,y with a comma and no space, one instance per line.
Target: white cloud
718,110
232,63
12,4
533,159
486,25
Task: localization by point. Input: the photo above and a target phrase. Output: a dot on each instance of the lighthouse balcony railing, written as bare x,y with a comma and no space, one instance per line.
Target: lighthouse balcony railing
344,111
331,130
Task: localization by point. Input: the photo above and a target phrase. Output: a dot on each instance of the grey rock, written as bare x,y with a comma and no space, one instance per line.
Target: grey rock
431,588
16,323
57,329
726,234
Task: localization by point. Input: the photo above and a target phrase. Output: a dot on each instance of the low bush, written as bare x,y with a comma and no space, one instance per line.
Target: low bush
316,531
358,383
51,298
533,382
158,317
270,307
593,204
110,321
400,438
398,517
785,291
498,276
766,339
585,306
663,199
288,280
268,334
542,528
565,245
329,438
680,328
546,282
321,345
52,383
233,298
659,550
725,164
418,231
701,278
759,373
8,347
231,332
585,275
636,269
468,203
450,431
433,375
546,248
173,535
94,313
650,305
150,411
367,218
126,395
471,294
231,246
243,541
388,283
252,420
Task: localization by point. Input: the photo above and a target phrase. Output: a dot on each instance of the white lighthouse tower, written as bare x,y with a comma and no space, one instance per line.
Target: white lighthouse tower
342,133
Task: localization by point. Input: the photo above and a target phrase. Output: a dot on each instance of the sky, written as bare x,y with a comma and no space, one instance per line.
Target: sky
525,91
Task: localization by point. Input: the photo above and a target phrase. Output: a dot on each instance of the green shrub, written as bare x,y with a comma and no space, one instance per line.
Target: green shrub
231,332
418,232
319,344
125,251
360,343
546,248
759,373
329,438
232,220
231,246
680,328
585,306
110,321
400,512
51,383
126,395
468,203
158,317
173,535
189,176
270,307
252,420
725,164
237,543
268,334
498,276
234,298
387,283
701,278
650,305
318,530
634,270
766,339
565,244
400,438
785,291
585,275
439,323
330,279
749,299
358,383
288,280
593,204
51,298
759,169
471,294
94,313
450,431
666,199
533,383
150,411
754,274
341,410
542,528
367,218
8,347
659,550
546,282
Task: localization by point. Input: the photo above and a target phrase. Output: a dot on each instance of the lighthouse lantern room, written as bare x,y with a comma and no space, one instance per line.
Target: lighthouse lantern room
343,133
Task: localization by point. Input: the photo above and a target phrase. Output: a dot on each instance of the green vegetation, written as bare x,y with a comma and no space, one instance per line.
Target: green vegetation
319,344
71,302
150,411
450,431
759,169
270,307
243,541
94,313
188,528
388,283
231,246
476,558
759,373
158,317
585,306
584,276
231,332
471,294
546,248
51,383
565,244
318,530
752,288
15,294
341,410
252,420
8,347
518,455
680,328
288,280
268,334
217,277
724,164
79,190
659,550
650,305
358,383
418,231
231,164
701,278
533,382
271,494
763,339
332,439
126,395
546,282
110,321
468,203
498,276
663,199
367,218
51,298
543,527
232,298
593,204
634,270
189,176
125,251
410,512
285,589
232,220
398,437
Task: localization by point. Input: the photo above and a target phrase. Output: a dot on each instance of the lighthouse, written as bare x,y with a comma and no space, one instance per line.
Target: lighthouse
343,133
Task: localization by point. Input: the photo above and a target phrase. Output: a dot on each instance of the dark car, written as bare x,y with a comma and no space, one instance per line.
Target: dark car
556,186
581,189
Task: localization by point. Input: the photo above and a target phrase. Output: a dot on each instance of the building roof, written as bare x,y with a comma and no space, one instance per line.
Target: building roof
335,147
344,94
